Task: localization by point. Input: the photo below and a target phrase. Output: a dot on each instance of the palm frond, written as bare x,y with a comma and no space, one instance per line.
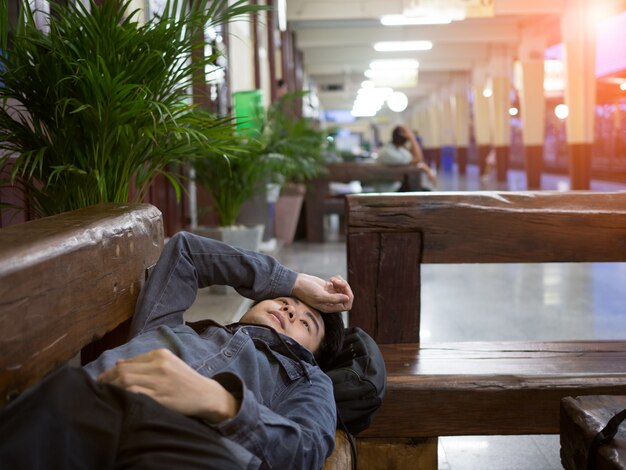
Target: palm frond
100,103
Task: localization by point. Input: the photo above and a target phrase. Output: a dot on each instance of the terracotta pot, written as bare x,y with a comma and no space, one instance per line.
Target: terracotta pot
287,212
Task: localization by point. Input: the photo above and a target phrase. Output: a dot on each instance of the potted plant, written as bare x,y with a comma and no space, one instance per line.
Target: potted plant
230,182
295,146
94,109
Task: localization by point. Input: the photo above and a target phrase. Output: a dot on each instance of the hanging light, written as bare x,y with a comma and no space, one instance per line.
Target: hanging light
561,111
397,101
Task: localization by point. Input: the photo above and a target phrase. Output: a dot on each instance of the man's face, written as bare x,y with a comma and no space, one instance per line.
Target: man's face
289,316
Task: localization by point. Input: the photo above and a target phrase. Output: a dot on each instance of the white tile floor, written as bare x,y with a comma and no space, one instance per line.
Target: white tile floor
560,301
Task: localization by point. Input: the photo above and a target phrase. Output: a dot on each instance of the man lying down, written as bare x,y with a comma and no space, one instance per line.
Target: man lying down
243,396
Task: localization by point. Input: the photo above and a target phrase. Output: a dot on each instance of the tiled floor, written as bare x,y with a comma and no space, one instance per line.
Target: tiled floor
567,301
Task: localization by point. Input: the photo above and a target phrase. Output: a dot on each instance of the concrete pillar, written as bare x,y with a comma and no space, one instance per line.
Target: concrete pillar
461,111
533,111
501,102
482,126
501,70
579,42
447,127
420,124
433,145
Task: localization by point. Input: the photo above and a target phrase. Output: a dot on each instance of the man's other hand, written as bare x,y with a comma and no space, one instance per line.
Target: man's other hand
165,378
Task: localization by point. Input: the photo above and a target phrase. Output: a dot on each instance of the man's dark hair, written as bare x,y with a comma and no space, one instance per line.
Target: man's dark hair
397,137
333,340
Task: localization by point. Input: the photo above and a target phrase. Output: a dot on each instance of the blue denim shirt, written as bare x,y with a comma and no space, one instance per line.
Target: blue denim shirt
287,417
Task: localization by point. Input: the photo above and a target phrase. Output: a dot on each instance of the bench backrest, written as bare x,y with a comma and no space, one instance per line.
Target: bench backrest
369,172
318,202
68,280
390,235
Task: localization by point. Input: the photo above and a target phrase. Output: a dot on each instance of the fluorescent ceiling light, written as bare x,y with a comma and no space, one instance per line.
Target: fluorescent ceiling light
363,112
390,46
368,93
375,74
401,20
393,78
369,101
394,64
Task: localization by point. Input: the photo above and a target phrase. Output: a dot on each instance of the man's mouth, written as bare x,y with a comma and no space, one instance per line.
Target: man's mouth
278,317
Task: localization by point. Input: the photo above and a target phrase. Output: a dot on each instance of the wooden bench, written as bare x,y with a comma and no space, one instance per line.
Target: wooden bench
68,280
69,284
474,388
320,202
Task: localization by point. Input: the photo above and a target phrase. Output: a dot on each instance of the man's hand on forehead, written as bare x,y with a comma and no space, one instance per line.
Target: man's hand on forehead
334,295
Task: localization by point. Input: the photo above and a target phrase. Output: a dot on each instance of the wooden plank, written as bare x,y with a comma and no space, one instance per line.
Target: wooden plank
492,388
396,298
67,280
501,357
581,419
341,458
384,272
363,252
378,454
493,227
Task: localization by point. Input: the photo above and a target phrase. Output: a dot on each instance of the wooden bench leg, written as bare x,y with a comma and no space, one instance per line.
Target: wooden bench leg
341,458
413,453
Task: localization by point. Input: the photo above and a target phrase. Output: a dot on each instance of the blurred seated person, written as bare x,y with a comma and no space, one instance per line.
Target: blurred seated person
397,152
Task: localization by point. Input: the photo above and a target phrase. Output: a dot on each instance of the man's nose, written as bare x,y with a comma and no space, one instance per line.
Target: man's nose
290,311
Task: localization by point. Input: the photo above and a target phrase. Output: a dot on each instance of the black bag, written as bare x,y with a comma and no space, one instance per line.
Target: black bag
359,380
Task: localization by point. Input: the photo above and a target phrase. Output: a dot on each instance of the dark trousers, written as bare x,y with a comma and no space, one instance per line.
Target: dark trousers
69,421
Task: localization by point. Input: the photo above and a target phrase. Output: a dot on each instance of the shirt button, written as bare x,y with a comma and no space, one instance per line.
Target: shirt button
228,353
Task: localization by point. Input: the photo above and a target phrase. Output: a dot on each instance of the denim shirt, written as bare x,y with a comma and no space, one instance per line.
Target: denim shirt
287,418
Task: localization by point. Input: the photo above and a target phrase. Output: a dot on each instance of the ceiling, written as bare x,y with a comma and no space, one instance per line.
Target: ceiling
337,37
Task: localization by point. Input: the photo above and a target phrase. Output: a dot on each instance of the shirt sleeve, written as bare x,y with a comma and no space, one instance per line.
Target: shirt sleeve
189,262
299,430
391,155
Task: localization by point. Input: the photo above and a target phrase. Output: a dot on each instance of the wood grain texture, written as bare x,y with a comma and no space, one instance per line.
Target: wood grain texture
66,280
491,388
500,227
581,419
383,272
388,454
341,458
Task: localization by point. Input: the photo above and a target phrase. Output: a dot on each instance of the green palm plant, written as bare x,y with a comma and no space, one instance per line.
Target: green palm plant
296,145
232,181
99,106
277,147
4,21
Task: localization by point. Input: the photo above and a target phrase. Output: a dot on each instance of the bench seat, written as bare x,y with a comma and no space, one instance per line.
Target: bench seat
476,388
